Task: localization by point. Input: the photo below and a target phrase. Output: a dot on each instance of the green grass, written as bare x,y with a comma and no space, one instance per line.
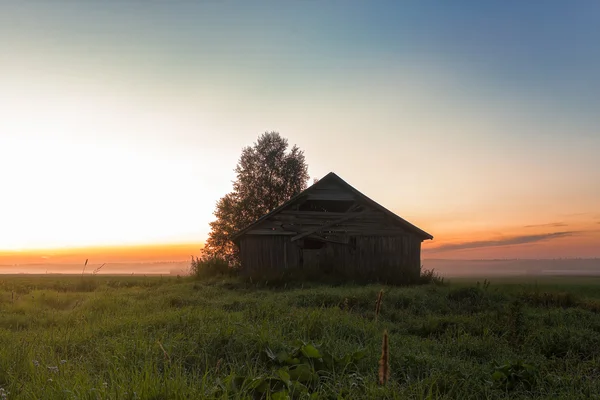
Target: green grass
172,338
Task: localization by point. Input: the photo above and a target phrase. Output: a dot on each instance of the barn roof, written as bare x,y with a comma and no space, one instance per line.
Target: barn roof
335,178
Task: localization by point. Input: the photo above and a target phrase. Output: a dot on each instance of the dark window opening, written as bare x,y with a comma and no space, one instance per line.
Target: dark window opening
326,205
312,244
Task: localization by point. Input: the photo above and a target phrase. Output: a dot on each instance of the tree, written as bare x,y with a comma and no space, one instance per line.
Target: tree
267,175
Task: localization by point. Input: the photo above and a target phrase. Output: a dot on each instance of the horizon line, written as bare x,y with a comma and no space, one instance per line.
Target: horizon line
426,259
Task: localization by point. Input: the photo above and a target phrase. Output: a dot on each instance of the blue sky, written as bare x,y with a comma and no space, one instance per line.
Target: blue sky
467,118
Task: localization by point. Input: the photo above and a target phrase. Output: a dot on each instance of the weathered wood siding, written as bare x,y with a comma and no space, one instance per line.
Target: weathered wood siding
371,254
263,252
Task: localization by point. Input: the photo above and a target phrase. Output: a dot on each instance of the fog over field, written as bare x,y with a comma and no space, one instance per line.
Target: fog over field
149,268
446,268
522,267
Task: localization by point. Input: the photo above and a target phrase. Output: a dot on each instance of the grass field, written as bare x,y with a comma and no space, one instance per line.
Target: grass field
107,337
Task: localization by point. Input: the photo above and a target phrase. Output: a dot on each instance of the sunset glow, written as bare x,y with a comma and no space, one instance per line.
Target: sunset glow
120,125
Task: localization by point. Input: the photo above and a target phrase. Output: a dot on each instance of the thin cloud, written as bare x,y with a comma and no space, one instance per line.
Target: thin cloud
549,225
515,240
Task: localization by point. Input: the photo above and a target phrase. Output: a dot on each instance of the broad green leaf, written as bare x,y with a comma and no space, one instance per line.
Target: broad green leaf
293,361
283,395
282,356
497,376
310,351
359,355
284,375
260,385
302,373
296,389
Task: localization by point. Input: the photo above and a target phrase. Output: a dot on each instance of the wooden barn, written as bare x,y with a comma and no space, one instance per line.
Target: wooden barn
333,227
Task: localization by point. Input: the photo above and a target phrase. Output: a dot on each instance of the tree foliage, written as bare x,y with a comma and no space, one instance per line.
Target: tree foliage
267,175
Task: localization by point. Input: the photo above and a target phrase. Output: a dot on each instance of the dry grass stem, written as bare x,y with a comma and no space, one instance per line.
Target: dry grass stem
384,361
378,304
167,358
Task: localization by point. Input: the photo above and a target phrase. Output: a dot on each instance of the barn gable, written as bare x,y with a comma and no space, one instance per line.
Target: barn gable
322,205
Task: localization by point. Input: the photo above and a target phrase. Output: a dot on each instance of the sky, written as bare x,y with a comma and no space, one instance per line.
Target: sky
121,121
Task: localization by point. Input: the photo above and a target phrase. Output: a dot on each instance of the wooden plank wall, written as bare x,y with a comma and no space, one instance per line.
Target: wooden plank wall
388,253
372,255
263,252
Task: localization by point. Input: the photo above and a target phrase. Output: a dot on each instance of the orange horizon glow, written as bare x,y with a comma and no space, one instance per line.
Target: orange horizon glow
531,241
149,253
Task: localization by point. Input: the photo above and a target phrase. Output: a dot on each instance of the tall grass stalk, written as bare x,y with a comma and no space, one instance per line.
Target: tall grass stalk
384,361
378,304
